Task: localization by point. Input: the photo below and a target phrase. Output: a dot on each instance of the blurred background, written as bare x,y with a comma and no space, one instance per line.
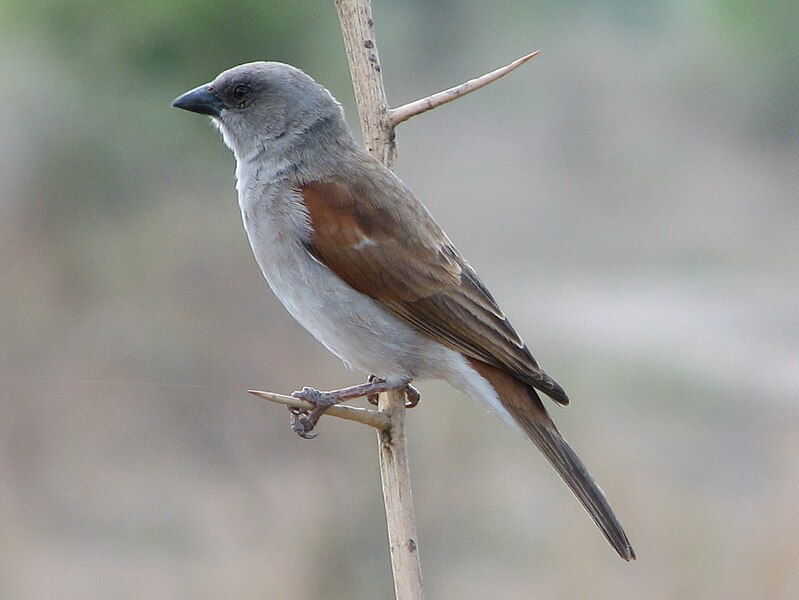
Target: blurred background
631,197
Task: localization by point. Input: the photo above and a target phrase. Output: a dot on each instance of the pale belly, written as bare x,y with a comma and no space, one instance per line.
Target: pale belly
350,324
353,326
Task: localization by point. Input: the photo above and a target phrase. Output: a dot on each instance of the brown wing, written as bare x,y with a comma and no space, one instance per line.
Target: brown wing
380,239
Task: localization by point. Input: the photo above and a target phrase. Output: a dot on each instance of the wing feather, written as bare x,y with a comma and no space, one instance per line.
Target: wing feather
391,249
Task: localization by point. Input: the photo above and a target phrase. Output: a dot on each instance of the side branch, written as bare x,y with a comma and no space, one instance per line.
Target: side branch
406,111
373,418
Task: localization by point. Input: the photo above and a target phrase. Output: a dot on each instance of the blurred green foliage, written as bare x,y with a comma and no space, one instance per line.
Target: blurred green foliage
764,38
164,41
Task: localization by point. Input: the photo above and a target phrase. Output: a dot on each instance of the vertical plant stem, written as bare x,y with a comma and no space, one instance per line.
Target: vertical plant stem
357,27
396,479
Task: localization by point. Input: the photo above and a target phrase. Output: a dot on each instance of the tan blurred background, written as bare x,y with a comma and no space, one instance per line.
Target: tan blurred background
631,198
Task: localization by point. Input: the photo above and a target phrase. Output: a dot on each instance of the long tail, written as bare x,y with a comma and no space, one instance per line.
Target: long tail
524,405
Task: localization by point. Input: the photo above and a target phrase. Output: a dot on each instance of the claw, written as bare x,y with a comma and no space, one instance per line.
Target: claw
300,423
372,398
303,421
412,396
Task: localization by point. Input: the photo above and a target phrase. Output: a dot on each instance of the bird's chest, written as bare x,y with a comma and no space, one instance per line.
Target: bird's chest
278,228
352,325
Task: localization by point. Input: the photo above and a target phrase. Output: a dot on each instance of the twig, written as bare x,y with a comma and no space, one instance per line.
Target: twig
364,416
406,111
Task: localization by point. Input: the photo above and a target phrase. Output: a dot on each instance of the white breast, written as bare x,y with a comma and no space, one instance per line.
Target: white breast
350,324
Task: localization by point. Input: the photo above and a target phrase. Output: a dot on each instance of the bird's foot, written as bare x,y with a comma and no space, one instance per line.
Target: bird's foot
412,395
303,421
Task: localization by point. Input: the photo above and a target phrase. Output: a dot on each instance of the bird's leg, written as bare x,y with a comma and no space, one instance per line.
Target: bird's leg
303,421
412,395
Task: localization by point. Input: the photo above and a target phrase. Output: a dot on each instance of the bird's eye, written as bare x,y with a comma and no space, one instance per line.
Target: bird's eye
241,92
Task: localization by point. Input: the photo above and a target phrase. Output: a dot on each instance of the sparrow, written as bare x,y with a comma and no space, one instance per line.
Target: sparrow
357,259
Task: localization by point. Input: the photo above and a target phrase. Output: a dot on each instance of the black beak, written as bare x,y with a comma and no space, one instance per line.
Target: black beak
200,100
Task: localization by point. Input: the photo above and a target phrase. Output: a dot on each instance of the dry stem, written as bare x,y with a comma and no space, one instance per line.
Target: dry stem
395,476
357,27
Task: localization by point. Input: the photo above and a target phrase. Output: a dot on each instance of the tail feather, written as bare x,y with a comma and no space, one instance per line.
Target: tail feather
524,405
569,466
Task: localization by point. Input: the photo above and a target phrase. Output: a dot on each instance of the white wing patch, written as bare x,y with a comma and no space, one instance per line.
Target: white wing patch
364,243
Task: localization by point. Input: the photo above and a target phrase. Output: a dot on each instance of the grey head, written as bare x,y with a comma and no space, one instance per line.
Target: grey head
267,107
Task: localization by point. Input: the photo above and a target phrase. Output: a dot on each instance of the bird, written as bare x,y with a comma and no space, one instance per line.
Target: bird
358,261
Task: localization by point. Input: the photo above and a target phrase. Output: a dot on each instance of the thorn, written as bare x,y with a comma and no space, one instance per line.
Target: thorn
406,111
